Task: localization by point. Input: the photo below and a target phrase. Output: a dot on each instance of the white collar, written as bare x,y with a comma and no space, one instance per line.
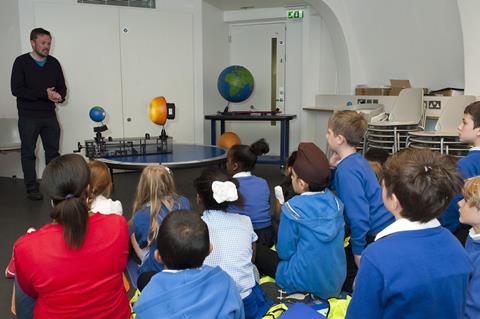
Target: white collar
242,174
403,224
475,148
474,235
311,193
172,270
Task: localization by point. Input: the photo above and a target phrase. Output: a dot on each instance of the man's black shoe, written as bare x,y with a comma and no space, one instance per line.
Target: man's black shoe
34,196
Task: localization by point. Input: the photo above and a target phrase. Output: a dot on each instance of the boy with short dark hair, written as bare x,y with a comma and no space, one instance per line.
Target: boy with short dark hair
469,166
470,215
415,268
357,186
185,288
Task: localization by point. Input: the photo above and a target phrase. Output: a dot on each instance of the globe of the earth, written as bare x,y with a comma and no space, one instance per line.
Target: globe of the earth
235,83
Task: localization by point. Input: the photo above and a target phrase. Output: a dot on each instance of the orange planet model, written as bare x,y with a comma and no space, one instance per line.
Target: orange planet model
158,110
228,139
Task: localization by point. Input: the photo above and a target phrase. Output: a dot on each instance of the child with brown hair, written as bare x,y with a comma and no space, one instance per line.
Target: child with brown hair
470,215
101,189
156,197
415,268
357,186
469,166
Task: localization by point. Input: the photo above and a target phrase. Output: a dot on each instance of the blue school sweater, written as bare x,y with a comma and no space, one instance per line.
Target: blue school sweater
412,274
472,310
310,245
256,201
468,166
357,186
204,292
140,226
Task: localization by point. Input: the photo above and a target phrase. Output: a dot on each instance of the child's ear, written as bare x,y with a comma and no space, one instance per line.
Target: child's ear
210,248
235,166
157,256
199,200
340,139
303,185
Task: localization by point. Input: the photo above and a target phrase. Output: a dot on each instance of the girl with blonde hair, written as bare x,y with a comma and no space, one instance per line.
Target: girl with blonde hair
156,197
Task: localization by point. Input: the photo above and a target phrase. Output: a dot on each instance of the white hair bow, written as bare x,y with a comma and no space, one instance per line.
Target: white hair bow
224,191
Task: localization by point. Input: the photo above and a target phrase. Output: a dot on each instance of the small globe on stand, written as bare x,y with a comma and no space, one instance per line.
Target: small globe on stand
228,139
97,114
235,83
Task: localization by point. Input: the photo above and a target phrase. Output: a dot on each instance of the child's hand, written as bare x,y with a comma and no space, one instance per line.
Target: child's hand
334,160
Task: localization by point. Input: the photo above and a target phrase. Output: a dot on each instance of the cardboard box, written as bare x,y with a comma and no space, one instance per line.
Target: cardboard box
372,91
447,92
397,85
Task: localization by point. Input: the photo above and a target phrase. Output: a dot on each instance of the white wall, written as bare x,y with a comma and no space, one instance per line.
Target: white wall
416,40
10,50
469,10
215,59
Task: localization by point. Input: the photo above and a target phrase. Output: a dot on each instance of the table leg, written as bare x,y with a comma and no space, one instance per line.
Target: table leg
213,132
283,141
222,127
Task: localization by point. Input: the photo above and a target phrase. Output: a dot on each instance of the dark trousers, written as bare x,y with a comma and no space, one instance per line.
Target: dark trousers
30,128
266,261
265,236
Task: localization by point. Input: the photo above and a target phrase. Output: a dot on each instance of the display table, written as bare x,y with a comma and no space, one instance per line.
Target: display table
284,120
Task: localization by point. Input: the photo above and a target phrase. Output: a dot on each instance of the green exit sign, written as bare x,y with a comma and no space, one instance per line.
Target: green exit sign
295,14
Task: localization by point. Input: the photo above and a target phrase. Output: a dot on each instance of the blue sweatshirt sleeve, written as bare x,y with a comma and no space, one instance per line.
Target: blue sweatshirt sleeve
357,209
472,307
287,236
140,226
367,296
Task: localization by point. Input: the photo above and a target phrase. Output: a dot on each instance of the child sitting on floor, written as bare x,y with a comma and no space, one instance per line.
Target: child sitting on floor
100,190
185,288
241,160
470,215
415,268
156,197
310,256
232,237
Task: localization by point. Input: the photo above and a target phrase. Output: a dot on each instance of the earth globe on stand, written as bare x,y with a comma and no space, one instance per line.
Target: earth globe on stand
235,83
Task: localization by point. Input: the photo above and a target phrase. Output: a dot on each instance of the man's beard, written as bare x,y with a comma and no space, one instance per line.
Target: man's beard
43,53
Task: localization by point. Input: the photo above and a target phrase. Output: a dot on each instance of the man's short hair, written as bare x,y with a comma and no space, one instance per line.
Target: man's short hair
350,124
423,181
38,31
471,191
183,240
473,110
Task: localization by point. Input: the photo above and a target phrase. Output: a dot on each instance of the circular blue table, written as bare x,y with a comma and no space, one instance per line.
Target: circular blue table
183,155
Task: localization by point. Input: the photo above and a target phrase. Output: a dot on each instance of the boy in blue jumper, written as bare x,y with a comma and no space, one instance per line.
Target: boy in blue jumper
357,186
415,269
185,288
470,215
310,250
241,160
469,166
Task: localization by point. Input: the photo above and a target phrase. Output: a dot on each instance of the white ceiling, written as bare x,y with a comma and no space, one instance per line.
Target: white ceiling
250,4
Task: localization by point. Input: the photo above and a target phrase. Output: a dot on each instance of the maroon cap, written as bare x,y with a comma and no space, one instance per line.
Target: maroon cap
312,165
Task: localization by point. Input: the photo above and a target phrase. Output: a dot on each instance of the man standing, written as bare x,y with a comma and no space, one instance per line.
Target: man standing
38,83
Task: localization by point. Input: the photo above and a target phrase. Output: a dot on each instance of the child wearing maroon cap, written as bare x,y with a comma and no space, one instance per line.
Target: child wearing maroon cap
310,250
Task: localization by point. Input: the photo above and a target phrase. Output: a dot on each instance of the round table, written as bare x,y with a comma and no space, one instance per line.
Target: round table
182,156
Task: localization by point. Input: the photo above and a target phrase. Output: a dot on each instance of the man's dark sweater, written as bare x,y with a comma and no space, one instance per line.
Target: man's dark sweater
29,84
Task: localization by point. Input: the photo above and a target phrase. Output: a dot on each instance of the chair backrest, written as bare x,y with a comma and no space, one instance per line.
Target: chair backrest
452,113
9,136
408,107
